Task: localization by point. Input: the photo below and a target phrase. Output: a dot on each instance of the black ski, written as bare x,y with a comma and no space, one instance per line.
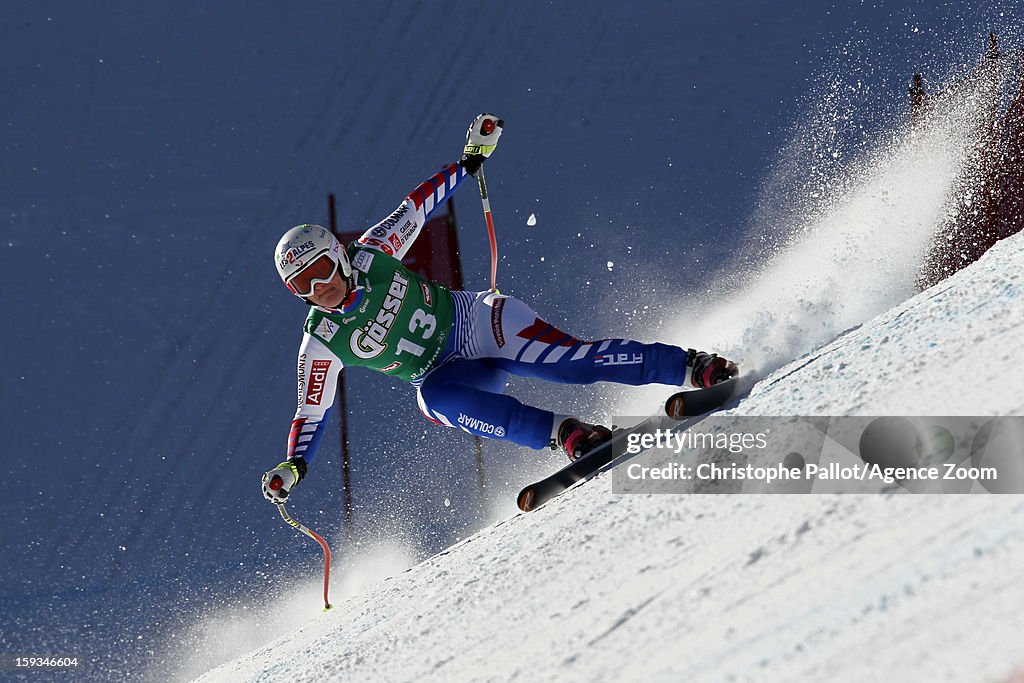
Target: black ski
682,405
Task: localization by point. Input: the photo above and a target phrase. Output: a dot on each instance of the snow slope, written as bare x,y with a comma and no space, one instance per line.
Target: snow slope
603,587
153,152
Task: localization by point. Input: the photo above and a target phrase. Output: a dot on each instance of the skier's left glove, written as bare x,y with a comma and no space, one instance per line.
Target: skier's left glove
481,139
278,482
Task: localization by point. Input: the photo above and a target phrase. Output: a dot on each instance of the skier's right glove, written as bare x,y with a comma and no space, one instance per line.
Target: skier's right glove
278,482
481,139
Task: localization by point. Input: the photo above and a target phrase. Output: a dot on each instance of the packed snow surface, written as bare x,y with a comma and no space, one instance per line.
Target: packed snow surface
153,153
601,587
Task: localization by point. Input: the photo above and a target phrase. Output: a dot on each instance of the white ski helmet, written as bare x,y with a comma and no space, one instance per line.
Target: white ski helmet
301,246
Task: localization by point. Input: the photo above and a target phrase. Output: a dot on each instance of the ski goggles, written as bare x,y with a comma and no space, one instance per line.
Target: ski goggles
320,269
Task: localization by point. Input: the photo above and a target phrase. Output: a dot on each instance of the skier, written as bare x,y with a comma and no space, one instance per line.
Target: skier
456,347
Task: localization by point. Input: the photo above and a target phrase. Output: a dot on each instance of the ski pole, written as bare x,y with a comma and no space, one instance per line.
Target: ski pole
323,544
482,183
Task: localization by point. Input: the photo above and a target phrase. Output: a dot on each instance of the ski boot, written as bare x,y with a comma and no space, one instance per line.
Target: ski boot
577,438
704,370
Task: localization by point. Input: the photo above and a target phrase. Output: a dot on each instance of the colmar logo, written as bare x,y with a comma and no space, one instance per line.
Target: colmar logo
317,381
481,426
382,228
